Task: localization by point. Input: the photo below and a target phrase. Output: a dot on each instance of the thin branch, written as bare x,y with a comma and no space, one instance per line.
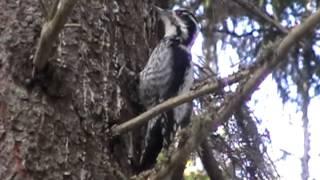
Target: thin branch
259,13
306,135
50,32
172,102
198,131
202,128
53,10
234,34
70,25
210,164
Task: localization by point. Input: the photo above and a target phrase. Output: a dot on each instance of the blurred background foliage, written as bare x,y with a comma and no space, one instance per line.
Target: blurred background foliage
245,27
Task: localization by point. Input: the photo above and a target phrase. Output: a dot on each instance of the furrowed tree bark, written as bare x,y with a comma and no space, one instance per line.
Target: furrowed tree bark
56,128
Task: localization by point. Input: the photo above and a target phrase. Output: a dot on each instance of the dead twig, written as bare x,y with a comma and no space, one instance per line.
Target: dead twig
173,102
56,19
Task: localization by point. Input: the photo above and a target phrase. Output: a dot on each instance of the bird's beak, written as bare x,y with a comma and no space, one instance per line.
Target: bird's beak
163,14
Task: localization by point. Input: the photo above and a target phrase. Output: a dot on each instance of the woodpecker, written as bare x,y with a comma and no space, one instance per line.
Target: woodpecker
168,73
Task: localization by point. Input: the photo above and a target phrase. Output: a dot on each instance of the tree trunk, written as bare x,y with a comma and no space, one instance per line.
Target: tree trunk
54,125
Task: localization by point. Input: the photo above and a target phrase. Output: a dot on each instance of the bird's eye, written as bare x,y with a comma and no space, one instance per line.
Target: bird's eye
179,13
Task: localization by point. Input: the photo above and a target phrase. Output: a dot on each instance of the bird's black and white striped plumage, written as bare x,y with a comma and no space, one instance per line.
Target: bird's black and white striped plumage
168,73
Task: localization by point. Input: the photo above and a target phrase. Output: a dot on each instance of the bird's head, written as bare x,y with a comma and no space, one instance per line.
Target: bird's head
181,23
